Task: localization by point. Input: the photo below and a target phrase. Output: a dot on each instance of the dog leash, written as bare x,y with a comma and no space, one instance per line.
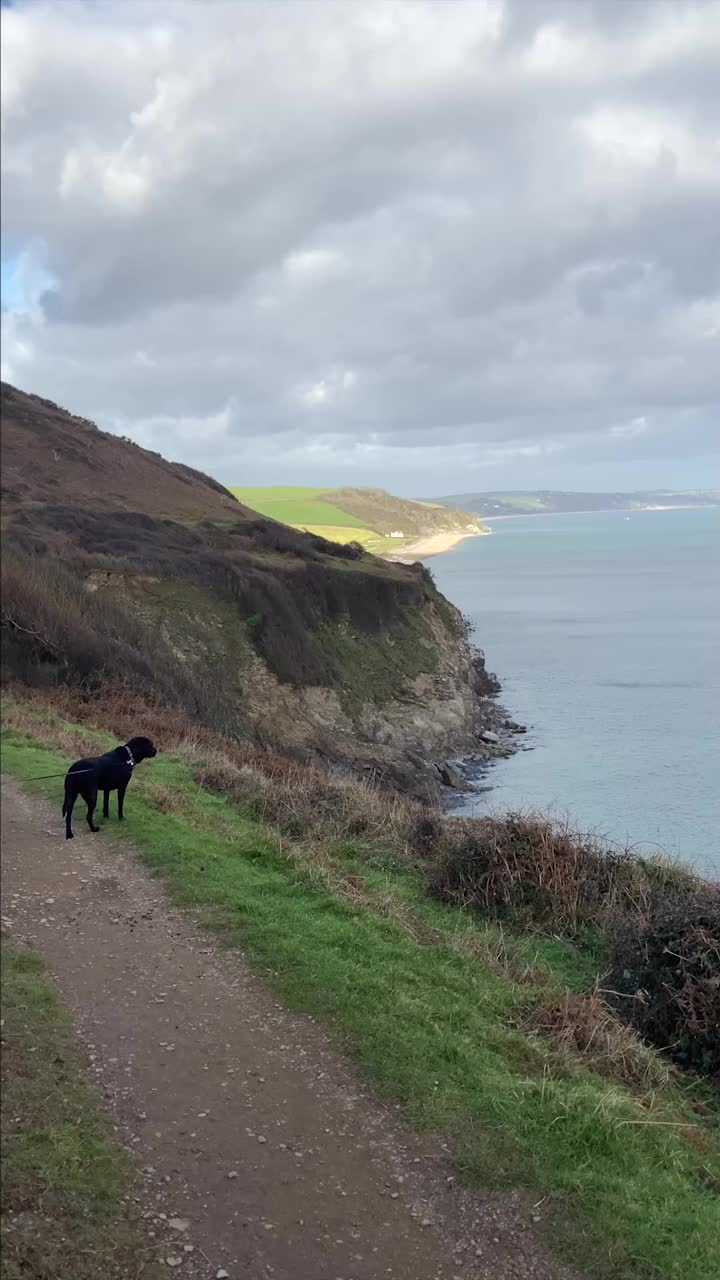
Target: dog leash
43,777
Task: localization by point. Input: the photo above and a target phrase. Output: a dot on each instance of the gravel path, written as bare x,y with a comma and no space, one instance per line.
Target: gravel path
262,1154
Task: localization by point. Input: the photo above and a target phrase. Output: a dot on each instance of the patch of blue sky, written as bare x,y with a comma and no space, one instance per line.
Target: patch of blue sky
23,280
8,286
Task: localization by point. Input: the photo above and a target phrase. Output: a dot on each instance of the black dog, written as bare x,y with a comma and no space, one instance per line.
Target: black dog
111,772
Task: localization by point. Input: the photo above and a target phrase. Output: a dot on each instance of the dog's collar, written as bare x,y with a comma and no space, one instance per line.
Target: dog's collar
130,760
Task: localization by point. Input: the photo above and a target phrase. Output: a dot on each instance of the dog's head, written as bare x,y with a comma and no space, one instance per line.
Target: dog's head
141,748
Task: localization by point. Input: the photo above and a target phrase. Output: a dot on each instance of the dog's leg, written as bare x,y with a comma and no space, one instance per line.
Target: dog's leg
121,800
106,803
91,801
70,798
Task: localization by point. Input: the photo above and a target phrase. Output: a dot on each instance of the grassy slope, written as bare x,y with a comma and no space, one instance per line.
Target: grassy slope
434,1027
295,506
60,1171
386,512
308,508
300,507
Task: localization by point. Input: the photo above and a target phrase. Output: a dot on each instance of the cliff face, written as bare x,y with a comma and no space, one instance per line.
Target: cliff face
403,698
119,567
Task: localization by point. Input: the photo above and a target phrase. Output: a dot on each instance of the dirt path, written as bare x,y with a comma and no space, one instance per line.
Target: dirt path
246,1123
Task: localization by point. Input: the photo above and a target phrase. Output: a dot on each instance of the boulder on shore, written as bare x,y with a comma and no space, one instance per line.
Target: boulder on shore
451,778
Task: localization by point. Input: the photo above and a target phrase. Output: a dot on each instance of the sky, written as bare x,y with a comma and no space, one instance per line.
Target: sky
437,247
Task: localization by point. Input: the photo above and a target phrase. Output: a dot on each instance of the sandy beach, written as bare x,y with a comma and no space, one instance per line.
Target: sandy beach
433,545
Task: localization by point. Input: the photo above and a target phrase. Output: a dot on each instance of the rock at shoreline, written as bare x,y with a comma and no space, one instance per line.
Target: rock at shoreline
488,736
514,727
488,683
451,778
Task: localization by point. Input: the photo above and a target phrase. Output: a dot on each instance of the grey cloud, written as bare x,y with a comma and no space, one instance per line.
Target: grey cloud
351,234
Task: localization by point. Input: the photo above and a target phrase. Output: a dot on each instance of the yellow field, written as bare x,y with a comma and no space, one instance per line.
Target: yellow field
374,542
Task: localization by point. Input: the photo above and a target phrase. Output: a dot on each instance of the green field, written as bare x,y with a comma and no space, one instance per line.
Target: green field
354,940
373,542
295,505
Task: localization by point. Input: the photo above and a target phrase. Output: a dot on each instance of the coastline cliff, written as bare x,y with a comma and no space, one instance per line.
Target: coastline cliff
120,567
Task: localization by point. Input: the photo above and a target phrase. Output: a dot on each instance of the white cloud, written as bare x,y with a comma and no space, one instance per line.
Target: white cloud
309,265
206,432
632,138
625,430
328,391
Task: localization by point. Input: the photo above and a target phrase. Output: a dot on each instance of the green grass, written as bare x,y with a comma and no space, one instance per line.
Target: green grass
295,505
436,1032
373,542
63,1180
377,670
342,533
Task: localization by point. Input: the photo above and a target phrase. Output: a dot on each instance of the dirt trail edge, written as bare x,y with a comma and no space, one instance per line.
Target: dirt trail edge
261,1152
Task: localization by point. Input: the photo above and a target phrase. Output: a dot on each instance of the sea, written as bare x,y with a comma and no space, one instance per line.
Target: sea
604,629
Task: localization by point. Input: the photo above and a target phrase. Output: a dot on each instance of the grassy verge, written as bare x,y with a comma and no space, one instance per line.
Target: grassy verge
431,1005
63,1181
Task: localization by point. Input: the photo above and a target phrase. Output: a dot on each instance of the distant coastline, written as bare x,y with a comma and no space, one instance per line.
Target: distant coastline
607,511
437,544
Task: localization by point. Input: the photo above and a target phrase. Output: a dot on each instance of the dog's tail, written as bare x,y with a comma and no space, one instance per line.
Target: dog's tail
66,801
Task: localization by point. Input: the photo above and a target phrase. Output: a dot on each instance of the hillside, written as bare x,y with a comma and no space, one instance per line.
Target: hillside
50,456
549,501
383,524
122,568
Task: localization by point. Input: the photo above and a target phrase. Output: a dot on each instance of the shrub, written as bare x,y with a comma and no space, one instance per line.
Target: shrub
529,869
666,977
662,923
426,831
56,632
586,1029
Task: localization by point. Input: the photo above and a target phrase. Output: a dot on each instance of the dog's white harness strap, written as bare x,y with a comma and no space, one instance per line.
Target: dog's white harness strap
130,760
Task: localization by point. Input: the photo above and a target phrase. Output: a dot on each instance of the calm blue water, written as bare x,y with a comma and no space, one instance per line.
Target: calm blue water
605,633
